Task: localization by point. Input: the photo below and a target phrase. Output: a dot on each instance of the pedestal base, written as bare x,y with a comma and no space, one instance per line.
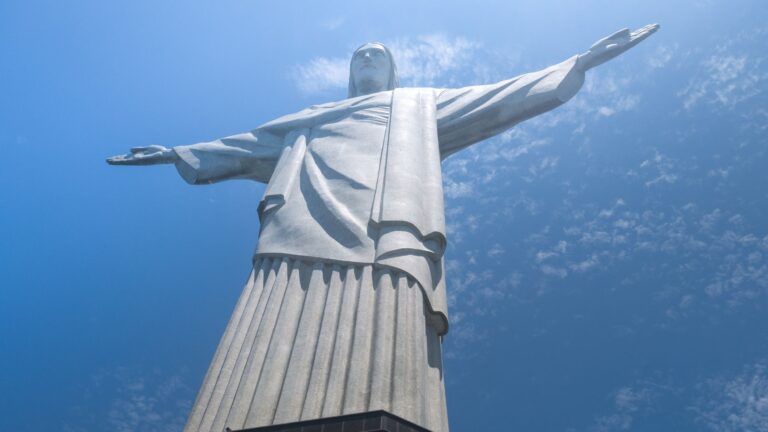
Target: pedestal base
373,421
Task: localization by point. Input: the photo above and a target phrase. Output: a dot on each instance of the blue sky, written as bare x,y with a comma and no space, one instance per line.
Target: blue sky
608,262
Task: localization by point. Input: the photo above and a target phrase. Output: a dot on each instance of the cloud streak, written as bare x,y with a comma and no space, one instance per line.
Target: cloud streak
736,404
321,74
151,402
732,75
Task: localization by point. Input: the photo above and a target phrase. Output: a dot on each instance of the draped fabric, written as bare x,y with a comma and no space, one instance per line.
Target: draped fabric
318,202
370,190
355,190
310,339
323,163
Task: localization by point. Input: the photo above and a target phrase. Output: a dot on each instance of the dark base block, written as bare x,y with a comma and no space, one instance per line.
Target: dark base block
373,421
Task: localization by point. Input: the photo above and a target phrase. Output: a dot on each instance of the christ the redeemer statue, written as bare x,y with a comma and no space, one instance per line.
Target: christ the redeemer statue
346,308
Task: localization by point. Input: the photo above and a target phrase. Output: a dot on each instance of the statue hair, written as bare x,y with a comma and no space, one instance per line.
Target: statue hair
393,81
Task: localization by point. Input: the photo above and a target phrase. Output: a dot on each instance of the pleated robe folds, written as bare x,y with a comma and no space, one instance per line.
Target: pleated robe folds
311,339
346,304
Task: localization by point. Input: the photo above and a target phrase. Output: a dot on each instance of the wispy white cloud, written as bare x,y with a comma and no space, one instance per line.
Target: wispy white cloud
662,56
736,404
585,265
476,293
432,59
321,74
628,403
495,251
732,74
135,402
623,103
660,169
513,152
455,189
550,270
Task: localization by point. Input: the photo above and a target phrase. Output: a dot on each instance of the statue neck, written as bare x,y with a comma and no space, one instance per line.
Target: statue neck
367,87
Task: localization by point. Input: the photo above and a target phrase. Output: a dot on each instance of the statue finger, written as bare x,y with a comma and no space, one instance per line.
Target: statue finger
643,33
652,27
141,149
119,160
623,33
600,43
611,39
148,158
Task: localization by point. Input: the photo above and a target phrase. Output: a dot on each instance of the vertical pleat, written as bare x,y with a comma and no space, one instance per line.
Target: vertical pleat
236,363
246,384
333,404
321,365
424,399
358,383
303,350
382,357
436,417
264,401
405,388
310,340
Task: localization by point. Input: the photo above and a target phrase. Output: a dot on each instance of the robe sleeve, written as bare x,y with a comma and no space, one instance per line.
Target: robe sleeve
251,155
471,114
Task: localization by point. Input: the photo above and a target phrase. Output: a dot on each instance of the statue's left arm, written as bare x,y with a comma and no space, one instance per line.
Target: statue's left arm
471,114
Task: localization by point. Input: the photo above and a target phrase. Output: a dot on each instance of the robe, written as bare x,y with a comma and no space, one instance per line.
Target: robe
346,306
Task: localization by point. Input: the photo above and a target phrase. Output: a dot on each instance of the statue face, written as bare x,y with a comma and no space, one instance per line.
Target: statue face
371,68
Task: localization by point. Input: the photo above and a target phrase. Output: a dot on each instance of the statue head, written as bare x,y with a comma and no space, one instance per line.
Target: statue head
372,69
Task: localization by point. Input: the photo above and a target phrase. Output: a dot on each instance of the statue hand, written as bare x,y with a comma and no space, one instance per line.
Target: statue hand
613,45
149,155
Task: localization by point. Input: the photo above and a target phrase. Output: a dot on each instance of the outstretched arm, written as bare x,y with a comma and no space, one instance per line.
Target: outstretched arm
252,155
471,114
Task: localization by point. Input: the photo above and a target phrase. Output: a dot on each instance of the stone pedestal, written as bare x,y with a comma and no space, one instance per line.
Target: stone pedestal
373,421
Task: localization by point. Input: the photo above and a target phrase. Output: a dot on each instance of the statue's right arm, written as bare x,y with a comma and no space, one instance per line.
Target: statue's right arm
251,155
470,114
